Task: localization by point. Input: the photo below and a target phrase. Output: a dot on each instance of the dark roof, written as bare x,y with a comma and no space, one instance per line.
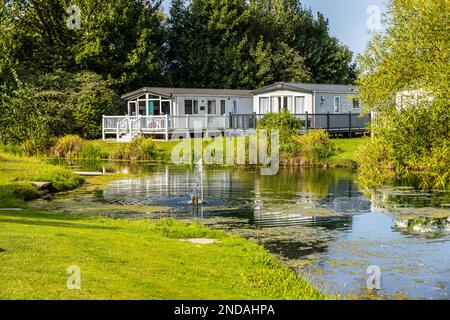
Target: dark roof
307,87
169,92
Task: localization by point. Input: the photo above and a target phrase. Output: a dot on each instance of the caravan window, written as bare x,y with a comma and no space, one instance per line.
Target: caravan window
222,107
264,105
337,104
187,106
299,104
211,106
190,106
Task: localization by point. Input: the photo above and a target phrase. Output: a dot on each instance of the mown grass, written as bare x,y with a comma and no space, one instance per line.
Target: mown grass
121,259
17,173
346,151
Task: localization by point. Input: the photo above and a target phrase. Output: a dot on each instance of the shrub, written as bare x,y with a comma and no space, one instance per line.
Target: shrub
141,149
69,146
287,124
374,163
118,153
90,152
20,190
316,147
436,167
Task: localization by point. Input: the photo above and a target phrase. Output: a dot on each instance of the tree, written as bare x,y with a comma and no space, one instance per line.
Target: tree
241,44
121,40
404,77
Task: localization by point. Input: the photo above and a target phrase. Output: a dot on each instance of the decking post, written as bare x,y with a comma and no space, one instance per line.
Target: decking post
328,121
254,120
306,121
103,127
187,127
349,124
167,127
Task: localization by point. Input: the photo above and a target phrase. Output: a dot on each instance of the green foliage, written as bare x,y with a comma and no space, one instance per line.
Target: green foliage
121,39
250,44
375,163
56,104
92,100
404,78
286,124
140,149
19,190
69,146
90,152
316,147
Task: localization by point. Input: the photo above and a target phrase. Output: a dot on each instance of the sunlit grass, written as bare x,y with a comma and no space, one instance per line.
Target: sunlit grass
17,173
121,259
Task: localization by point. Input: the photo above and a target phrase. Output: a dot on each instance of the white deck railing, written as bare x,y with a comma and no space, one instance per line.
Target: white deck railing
132,126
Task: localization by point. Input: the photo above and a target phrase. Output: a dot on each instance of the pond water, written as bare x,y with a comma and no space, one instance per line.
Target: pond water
316,220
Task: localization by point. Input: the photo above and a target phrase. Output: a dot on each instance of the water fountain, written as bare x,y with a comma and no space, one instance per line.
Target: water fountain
197,192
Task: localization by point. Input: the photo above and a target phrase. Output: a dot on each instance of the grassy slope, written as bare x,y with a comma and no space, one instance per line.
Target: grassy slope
17,173
122,259
346,155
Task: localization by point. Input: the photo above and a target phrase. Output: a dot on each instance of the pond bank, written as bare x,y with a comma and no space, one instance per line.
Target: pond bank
122,259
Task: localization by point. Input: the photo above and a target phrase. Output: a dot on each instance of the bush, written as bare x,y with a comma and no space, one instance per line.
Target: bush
69,146
90,152
316,147
287,124
436,168
140,149
20,190
375,163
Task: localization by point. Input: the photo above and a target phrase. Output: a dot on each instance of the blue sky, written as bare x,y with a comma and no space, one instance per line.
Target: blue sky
348,19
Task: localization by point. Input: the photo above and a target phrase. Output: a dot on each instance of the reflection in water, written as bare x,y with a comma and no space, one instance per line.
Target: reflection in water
316,220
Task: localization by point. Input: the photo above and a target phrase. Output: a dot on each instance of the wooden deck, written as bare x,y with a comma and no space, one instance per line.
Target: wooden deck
125,128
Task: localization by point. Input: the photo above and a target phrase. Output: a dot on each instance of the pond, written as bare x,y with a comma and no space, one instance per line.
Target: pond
315,220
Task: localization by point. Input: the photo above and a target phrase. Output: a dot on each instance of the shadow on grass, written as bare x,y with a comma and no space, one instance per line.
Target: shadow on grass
55,224
41,214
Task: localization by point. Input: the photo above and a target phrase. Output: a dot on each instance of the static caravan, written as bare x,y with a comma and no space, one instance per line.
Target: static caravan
333,107
163,111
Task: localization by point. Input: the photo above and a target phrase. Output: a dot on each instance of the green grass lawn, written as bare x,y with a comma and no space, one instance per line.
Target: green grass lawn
346,151
17,173
121,259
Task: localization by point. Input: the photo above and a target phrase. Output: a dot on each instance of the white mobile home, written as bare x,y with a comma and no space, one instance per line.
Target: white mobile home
333,107
163,111
300,98
179,112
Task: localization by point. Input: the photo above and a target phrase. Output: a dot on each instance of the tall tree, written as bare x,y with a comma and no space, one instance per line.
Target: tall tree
122,40
404,77
251,43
